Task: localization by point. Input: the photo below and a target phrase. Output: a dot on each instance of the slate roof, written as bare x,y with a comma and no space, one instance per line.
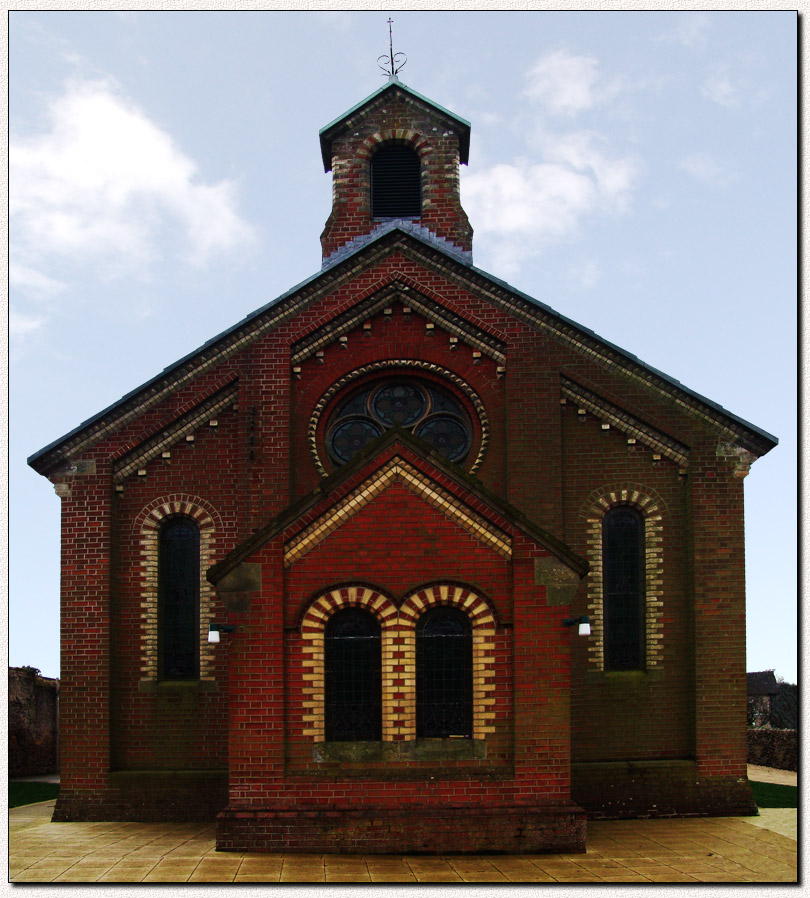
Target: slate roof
526,308
762,683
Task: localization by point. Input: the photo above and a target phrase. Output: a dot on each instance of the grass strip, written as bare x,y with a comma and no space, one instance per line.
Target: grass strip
775,795
29,793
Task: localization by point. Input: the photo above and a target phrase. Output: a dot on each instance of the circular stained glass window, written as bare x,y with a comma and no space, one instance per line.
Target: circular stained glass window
431,413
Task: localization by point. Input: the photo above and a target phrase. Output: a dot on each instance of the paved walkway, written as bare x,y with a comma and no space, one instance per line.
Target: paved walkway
708,849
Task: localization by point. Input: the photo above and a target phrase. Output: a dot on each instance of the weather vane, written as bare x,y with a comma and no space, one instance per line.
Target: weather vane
393,62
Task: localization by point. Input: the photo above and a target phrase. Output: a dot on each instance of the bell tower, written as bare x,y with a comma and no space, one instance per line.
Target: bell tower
394,159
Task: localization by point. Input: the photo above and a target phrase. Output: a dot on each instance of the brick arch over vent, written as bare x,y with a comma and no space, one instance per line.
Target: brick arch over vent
313,627
654,510
147,527
482,620
404,136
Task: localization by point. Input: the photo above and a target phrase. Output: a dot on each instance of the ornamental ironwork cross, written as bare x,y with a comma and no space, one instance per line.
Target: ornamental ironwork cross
393,62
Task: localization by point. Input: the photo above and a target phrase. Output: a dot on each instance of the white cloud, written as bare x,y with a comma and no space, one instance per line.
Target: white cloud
707,169
520,210
339,20
34,282
104,190
719,89
19,324
587,275
691,30
565,84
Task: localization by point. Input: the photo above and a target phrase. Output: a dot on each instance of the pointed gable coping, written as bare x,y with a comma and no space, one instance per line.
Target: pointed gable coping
397,470
150,448
411,300
409,450
328,132
270,315
625,423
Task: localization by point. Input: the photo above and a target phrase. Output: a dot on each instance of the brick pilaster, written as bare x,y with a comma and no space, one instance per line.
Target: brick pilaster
718,576
85,633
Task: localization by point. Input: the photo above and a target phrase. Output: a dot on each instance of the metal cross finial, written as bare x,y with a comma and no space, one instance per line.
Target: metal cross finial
393,61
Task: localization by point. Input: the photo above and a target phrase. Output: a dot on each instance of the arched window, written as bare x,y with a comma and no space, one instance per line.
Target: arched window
352,674
444,705
179,600
623,573
396,190
429,411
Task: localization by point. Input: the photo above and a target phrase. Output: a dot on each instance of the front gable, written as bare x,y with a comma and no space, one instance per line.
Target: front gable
399,493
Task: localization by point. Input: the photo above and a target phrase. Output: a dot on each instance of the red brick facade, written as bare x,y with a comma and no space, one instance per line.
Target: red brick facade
561,428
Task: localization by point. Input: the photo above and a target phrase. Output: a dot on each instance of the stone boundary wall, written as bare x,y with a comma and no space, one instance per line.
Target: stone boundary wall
33,723
773,748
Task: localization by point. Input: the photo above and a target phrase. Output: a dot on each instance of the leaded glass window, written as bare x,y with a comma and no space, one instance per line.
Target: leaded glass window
396,190
444,704
353,673
623,573
179,600
430,412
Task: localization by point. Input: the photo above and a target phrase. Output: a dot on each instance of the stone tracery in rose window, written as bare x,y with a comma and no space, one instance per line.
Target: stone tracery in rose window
424,408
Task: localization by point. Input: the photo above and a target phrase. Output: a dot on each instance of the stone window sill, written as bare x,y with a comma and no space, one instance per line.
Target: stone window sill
178,686
393,752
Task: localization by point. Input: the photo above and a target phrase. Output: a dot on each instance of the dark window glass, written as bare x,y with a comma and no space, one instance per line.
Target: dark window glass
444,674
623,587
396,191
353,672
429,412
178,600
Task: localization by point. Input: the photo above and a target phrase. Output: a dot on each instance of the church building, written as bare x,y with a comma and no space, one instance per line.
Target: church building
404,561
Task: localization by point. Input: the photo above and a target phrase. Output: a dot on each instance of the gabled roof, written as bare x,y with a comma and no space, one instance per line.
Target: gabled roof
328,132
467,488
534,313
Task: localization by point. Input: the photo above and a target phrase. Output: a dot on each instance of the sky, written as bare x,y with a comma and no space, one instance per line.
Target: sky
635,171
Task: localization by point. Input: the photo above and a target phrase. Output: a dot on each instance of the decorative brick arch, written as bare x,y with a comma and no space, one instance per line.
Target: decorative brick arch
653,509
482,620
313,627
406,136
147,527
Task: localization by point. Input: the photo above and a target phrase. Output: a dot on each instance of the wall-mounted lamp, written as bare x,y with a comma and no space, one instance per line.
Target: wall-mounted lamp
215,629
584,624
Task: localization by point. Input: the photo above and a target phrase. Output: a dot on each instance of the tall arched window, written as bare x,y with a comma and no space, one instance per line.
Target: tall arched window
623,572
444,694
179,600
396,190
352,674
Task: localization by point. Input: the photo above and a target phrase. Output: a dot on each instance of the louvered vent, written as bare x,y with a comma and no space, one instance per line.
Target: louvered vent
395,183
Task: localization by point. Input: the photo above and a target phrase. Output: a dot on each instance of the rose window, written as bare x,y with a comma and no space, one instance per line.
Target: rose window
430,412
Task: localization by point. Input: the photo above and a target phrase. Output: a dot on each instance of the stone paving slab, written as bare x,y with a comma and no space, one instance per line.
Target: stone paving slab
707,849
772,775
